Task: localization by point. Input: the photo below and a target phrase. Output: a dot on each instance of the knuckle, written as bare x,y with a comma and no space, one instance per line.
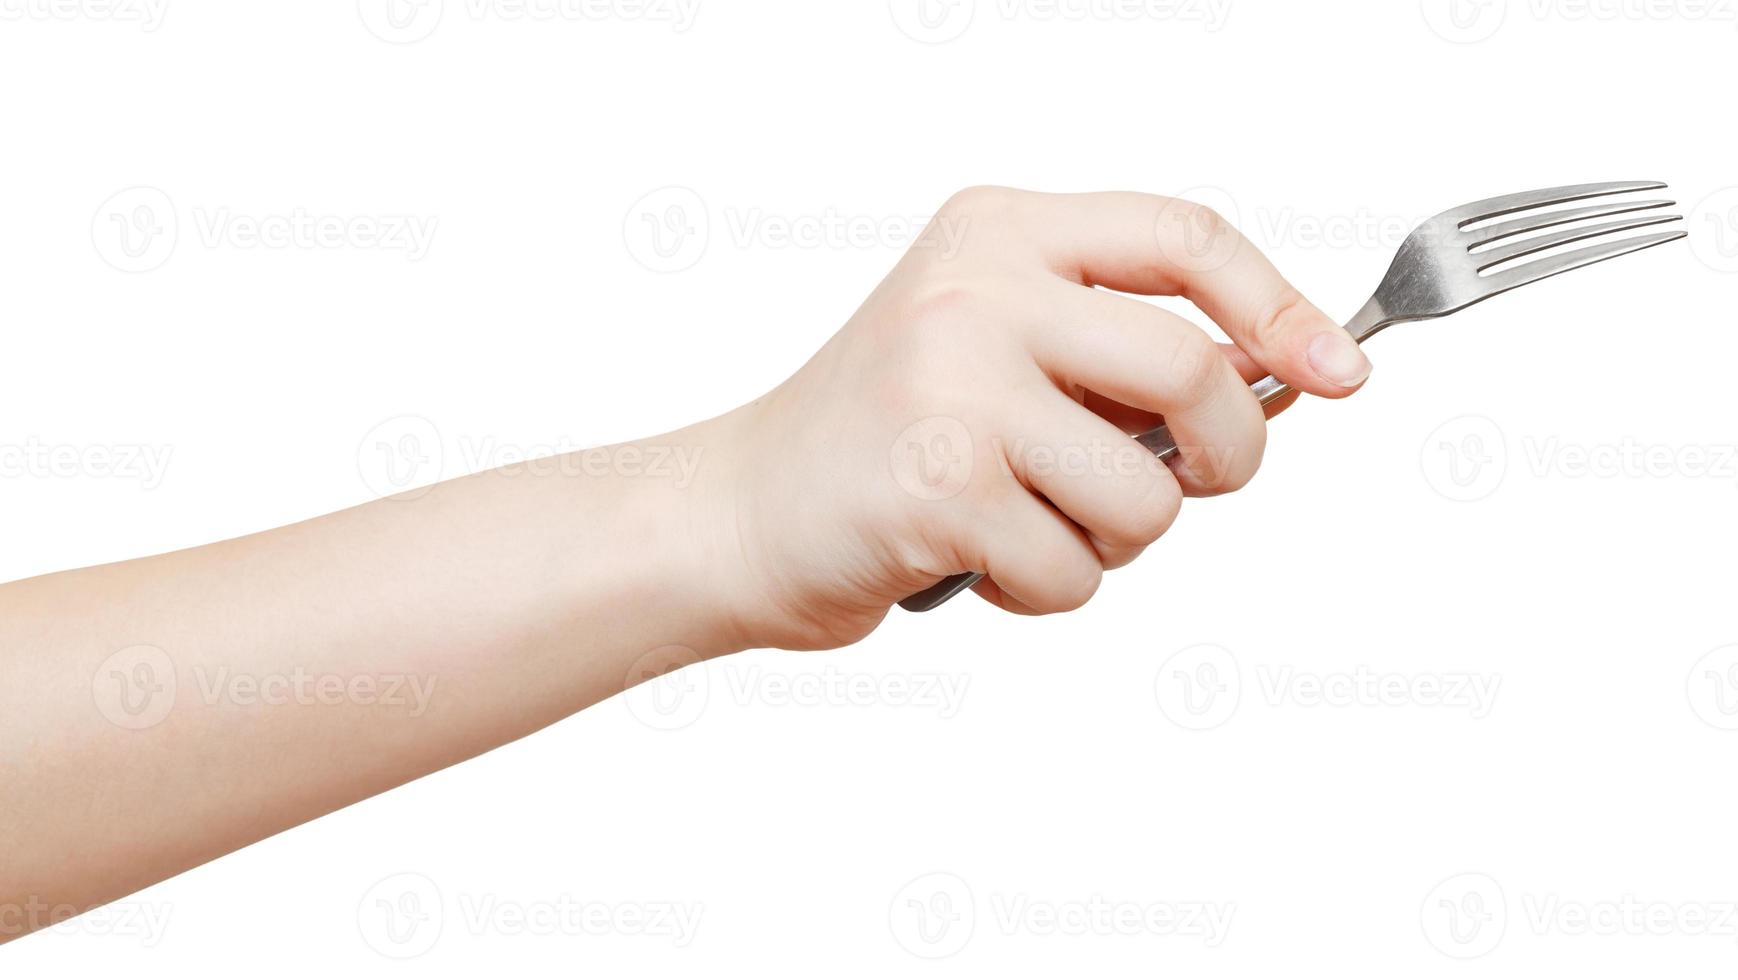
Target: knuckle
1205,218
1196,369
1288,315
1236,477
983,200
947,313
1150,517
943,301
1184,217
1076,587
1223,469
1116,557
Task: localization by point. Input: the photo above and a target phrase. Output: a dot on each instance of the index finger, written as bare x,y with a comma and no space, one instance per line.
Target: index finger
1160,246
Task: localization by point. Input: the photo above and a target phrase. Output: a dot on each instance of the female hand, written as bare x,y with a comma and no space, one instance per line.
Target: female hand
976,411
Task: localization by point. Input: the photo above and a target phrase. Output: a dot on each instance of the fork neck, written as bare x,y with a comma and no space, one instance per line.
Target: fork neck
1368,320
1361,326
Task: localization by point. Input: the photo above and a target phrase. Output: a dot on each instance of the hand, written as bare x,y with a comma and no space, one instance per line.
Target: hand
975,412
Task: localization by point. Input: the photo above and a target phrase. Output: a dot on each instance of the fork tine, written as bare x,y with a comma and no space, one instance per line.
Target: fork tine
1531,272
1496,207
1528,246
1550,219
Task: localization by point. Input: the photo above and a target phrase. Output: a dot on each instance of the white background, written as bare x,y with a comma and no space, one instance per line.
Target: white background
1590,415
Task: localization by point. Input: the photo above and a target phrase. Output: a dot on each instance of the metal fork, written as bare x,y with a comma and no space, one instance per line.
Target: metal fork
1445,266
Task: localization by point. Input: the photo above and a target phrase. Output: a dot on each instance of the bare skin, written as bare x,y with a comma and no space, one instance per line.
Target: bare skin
972,415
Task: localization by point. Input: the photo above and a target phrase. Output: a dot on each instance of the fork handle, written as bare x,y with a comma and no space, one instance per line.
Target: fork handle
1158,441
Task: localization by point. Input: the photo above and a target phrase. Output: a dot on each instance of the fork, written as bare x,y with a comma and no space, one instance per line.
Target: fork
1445,266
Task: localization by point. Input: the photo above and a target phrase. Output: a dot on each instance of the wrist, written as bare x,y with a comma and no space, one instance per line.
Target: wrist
715,542
672,512
783,561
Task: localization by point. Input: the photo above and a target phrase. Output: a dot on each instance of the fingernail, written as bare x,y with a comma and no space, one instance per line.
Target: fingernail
1338,360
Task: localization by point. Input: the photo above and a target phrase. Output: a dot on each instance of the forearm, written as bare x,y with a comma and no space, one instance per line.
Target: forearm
318,664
